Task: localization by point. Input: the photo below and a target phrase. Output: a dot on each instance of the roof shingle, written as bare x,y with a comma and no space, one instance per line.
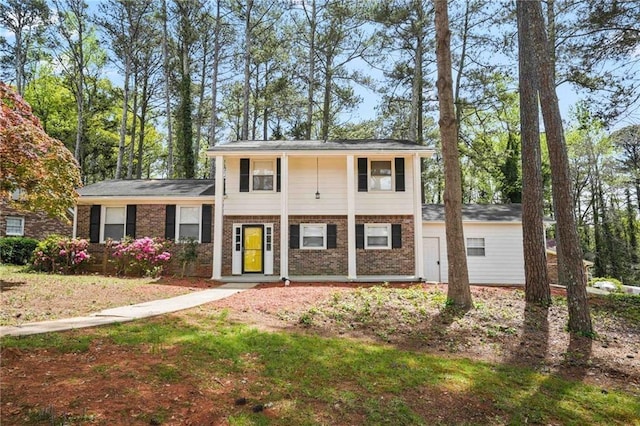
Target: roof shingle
149,188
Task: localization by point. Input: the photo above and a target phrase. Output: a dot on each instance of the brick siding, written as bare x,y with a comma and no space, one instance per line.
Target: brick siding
37,225
399,261
321,262
150,221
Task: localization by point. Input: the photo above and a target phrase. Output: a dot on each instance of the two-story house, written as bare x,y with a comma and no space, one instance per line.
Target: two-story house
312,210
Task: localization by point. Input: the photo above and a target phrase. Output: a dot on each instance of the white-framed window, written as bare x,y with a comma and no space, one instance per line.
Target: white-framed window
381,175
114,222
188,222
15,226
313,236
377,236
475,247
262,175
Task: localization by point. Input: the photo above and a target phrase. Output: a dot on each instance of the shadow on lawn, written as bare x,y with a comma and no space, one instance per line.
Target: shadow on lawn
534,343
10,285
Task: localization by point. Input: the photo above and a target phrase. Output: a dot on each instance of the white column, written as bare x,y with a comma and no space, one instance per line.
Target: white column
351,217
218,217
284,215
75,221
417,216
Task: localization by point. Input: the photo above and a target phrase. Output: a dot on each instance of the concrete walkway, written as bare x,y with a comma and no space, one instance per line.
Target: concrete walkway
129,313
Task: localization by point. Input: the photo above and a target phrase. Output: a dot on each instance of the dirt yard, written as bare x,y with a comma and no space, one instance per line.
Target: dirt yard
496,331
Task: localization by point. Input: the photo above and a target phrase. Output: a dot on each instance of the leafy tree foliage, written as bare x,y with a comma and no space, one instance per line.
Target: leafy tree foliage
39,166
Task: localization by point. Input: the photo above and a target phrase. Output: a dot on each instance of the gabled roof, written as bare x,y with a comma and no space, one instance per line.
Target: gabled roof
174,188
476,213
318,145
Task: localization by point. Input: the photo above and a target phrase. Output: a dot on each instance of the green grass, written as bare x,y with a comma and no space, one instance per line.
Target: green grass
623,306
311,379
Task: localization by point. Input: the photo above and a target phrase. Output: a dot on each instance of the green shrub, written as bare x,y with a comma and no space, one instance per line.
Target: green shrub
142,257
60,254
16,250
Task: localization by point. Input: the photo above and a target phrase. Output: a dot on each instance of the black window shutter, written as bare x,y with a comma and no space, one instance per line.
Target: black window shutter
332,236
360,236
399,174
94,224
396,235
206,223
244,175
170,222
294,236
131,220
362,175
278,172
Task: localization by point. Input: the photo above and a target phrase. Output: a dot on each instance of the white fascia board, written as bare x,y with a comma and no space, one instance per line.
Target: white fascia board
144,200
321,153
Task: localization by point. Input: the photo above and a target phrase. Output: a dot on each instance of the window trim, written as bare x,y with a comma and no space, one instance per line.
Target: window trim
179,208
368,226
103,221
476,246
303,226
391,162
273,175
13,234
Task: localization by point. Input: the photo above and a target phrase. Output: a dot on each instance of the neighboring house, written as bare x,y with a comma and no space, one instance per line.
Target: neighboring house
38,225
307,210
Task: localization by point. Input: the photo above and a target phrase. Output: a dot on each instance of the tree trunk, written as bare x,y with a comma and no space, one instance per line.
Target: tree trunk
326,103
167,89
213,124
535,263
19,62
123,120
143,122
312,70
570,267
244,133
134,125
459,293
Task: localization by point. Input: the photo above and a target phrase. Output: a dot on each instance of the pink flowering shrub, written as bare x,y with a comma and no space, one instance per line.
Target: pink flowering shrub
144,256
61,254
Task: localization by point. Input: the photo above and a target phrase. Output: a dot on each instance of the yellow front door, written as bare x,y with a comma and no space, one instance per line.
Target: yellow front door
252,258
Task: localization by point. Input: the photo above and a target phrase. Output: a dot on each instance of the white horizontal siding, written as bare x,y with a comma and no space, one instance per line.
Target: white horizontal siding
503,262
246,203
387,202
329,178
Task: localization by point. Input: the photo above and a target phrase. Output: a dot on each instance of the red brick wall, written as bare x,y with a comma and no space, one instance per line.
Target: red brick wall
82,221
36,225
321,262
227,239
400,261
150,222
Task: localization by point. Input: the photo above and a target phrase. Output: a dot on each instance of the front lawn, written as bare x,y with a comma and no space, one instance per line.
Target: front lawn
333,355
201,369
30,296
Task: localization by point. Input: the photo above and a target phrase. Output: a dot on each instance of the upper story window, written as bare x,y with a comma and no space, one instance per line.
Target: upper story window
15,226
114,222
188,223
475,247
381,174
263,173
313,236
377,236
381,178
